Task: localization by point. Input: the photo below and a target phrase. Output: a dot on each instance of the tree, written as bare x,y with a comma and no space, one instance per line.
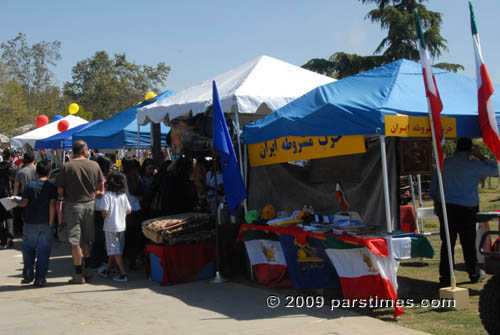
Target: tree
395,16
30,66
105,86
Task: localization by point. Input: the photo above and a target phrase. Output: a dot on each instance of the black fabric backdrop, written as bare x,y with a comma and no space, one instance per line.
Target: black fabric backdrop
290,187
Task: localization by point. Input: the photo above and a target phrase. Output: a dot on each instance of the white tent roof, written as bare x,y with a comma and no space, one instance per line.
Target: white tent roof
43,132
262,80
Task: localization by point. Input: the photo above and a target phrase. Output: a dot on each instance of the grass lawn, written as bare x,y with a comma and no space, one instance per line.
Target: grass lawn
421,282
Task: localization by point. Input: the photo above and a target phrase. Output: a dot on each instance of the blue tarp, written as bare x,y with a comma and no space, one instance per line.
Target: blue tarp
356,105
120,130
63,140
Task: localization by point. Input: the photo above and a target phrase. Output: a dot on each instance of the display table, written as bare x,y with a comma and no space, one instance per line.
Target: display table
185,262
275,253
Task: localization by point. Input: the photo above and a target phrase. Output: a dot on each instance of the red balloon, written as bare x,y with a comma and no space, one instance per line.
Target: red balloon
63,125
41,120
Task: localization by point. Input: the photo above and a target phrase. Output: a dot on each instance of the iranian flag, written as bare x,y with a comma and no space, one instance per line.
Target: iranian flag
266,257
341,197
364,268
431,91
486,112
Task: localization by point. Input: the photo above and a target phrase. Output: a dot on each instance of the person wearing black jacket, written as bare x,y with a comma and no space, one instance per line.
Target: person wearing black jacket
7,177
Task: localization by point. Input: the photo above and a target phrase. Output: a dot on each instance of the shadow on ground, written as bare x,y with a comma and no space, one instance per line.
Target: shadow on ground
239,299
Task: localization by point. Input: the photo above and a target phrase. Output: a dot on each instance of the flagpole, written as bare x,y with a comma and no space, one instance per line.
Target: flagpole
234,104
443,200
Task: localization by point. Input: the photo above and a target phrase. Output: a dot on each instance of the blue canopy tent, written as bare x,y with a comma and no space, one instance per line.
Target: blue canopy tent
357,105
63,140
120,130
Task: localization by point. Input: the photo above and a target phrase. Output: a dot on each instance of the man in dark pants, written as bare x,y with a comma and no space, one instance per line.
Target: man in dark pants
7,176
461,177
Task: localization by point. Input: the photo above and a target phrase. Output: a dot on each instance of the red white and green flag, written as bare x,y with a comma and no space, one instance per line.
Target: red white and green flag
266,257
486,112
364,268
341,197
431,91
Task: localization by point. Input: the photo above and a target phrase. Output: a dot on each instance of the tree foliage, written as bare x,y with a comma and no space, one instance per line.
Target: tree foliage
27,84
106,86
30,66
395,16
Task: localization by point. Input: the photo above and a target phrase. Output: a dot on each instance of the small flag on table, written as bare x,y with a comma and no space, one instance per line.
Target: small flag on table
341,197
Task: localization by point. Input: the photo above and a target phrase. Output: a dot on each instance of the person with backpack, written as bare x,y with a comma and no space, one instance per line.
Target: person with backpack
7,176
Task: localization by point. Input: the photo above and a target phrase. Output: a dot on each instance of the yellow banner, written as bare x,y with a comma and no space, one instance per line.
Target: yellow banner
295,148
417,126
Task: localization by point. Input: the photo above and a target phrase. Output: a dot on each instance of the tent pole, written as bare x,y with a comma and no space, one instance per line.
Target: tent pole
138,140
419,180
413,203
420,203
64,157
235,109
386,186
245,175
387,208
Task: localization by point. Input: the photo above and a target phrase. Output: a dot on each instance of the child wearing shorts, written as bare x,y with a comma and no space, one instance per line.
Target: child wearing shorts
115,208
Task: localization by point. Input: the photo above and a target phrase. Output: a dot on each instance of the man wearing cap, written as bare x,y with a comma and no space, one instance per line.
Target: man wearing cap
77,184
461,177
7,176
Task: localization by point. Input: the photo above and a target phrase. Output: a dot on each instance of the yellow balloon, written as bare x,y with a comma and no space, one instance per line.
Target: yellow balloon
73,108
150,95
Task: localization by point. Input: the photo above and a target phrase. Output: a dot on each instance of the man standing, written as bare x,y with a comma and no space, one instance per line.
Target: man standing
7,175
23,177
39,202
77,183
461,177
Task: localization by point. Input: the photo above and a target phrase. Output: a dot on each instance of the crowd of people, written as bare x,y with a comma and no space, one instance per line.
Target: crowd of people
92,204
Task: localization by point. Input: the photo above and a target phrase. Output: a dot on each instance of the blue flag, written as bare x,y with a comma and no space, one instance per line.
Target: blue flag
234,188
308,264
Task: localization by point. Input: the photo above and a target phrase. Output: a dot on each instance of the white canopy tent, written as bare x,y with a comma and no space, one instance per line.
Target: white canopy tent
43,132
4,139
263,80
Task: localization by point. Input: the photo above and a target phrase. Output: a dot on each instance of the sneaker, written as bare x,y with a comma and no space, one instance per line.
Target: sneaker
9,244
40,283
77,279
27,280
103,273
478,277
121,278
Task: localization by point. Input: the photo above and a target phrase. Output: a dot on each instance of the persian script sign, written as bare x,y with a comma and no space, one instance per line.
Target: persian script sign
296,148
417,126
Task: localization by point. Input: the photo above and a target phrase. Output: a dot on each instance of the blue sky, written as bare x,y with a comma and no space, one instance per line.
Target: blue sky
200,39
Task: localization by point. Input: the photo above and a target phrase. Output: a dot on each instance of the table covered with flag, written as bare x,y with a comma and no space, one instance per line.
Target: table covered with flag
290,256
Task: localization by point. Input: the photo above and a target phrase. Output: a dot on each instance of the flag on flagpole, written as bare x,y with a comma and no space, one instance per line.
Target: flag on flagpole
234,188
431,91
486,112
341,197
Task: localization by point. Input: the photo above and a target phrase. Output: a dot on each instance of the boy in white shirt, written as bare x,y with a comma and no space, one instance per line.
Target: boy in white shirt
115,208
